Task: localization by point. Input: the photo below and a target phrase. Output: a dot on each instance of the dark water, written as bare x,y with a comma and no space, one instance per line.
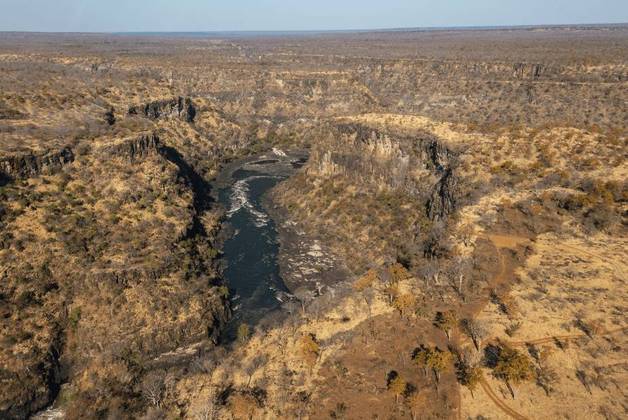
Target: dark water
252,271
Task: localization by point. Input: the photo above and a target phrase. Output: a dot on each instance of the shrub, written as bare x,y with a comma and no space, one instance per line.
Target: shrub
243,405
513,367
446,321
74,317
397,385
404,303
366,281
243,333
546,378
309,348
513,328
398,273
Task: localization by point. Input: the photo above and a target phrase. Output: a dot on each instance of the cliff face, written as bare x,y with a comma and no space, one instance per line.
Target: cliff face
442,201
135,148
177,107
30,165
373,190
116,259
402,156
443,198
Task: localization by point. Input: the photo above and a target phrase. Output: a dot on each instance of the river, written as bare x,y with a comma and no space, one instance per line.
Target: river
251,249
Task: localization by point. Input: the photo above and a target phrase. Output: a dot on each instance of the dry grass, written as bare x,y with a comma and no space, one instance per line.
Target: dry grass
108,262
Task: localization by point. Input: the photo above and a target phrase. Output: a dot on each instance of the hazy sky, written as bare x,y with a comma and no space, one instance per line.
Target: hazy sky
213,15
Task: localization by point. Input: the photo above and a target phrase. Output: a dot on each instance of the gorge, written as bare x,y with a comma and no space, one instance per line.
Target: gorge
318,225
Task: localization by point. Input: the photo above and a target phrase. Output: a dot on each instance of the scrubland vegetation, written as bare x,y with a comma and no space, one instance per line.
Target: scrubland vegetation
473,186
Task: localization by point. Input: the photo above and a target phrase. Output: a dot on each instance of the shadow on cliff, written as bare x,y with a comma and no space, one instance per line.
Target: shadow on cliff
202,189
4,179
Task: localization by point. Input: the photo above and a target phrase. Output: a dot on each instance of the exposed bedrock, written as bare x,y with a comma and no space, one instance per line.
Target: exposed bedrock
177,107
427,151
442,201
134,148
29,165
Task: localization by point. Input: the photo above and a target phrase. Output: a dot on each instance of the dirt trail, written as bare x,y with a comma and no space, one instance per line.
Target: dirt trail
507,241
553,338
498,401
511,242
499,242
619,269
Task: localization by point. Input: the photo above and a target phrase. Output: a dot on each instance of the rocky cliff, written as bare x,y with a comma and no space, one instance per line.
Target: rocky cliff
177,107
374,190
405,155
443,198
442,201
33,164
134,148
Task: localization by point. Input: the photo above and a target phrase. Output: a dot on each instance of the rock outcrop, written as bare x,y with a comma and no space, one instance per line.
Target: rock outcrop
30,165
110,116
442,201
177,107
135,148
428,151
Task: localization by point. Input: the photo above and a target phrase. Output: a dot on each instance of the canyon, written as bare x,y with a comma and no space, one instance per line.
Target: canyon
392,224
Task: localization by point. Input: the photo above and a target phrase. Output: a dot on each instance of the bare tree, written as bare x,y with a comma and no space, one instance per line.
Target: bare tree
431,273
546,378
459,272
256,363
210,409
304,296
153,386
476,330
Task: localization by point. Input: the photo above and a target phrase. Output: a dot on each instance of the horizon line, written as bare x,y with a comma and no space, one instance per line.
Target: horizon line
319,31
